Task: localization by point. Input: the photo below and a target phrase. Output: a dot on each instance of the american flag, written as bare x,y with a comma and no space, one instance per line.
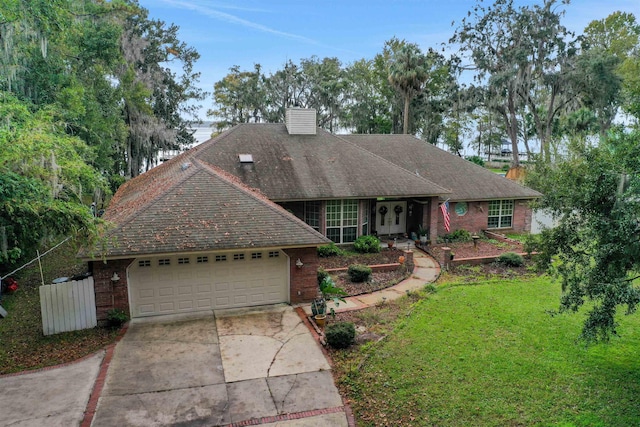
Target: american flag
445,213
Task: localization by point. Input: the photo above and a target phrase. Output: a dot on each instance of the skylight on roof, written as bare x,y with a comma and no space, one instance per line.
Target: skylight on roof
245,158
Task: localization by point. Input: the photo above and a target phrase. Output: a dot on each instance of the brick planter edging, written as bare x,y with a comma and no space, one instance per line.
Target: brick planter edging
375,267
482,259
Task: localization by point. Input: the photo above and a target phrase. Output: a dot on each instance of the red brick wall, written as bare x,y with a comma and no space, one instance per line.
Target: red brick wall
303,281
476,217
434,220
110,294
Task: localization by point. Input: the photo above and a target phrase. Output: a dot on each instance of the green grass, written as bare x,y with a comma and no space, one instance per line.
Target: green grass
490,355
521,237
22,343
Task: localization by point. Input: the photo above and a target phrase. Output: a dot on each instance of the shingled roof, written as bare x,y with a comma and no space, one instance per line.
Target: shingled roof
310,167
464,179
185,205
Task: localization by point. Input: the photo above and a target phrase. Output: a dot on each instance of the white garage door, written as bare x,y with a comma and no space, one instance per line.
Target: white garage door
186,283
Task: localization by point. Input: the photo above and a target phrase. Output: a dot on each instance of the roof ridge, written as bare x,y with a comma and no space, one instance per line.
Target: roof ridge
256,194
446,190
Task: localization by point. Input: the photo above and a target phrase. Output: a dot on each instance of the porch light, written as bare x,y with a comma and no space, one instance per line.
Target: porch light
115,278
299,263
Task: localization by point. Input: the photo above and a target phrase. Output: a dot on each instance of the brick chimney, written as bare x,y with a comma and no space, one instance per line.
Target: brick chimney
301,121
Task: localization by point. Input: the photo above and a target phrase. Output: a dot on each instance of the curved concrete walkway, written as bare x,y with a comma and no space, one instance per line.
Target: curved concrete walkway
426,271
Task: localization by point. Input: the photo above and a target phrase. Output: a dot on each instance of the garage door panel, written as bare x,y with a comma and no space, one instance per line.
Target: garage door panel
223,302
146,293
166,307
165,291
204,303
185,290
164,285
222,287
203,288
240,300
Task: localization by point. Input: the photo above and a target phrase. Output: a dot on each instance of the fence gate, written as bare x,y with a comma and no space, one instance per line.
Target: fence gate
68,306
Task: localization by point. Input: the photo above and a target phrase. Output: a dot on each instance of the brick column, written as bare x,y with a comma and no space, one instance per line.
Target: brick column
435,220
303,281
446,258
110,294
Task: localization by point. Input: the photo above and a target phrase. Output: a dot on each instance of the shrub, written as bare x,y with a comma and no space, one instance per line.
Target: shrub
340,334
117,317
430,288
322,274
477,160
506,167
367,245
510,259
460,235
359,272
331,249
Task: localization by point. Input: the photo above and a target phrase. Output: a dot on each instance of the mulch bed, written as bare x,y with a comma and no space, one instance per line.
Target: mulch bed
385,256
484,248
379,280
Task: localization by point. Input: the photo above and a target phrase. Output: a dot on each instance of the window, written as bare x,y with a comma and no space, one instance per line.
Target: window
500,214
312,214
144,263
164,261
274,254
461,208
220,258
202,259
342,220
183,260
238,257
256,255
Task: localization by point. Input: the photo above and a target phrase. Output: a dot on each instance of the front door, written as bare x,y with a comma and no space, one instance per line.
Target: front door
391,218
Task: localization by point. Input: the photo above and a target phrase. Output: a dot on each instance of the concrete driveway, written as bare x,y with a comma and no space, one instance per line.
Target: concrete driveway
262,365
49,397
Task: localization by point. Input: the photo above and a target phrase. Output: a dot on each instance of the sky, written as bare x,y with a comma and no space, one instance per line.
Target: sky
271,32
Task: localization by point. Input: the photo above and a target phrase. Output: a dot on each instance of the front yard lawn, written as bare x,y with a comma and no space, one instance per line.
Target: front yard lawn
489,354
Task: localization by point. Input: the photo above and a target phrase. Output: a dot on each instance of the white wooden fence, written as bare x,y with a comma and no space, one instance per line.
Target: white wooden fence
68,306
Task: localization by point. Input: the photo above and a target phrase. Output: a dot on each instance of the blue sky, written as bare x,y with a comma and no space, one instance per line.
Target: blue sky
245,32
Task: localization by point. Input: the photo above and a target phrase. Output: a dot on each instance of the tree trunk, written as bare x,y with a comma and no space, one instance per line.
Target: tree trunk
405,125
512,129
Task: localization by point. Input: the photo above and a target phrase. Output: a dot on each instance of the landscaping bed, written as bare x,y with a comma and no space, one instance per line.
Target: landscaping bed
379,279
385,256
484,248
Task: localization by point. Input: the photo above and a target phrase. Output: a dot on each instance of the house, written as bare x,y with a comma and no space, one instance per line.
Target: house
236,221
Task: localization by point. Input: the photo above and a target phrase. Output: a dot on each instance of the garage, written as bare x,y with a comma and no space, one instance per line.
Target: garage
186,283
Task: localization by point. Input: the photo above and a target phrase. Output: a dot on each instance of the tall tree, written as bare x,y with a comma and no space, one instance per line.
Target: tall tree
239,98
595,249
614,42
367,110
155,97
44,175
523,57
326,90
408,73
